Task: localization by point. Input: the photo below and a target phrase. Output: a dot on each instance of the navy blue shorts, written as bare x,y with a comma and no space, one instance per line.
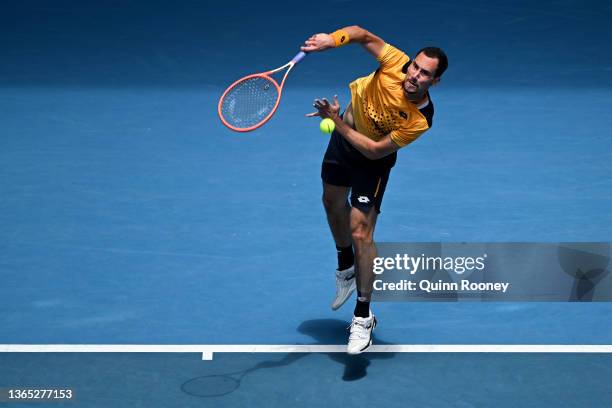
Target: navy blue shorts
345,166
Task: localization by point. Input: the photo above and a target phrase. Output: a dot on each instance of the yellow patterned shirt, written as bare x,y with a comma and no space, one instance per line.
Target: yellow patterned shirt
380,106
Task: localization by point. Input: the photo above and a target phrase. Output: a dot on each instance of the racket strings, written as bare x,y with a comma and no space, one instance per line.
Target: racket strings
249,102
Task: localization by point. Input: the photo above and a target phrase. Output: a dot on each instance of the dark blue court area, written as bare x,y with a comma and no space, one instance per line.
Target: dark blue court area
129,215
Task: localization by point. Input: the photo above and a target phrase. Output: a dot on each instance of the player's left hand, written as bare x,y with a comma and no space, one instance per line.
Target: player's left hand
326,109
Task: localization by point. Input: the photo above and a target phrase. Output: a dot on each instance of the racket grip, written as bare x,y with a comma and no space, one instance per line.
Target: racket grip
299,56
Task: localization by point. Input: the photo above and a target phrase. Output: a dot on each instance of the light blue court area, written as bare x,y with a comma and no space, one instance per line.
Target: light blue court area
130,216
302,380
142,229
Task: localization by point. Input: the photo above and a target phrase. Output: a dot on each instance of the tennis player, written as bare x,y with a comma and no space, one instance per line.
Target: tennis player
389,109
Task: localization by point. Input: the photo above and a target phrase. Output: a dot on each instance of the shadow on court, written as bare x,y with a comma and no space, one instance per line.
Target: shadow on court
333,331
323,331
218,385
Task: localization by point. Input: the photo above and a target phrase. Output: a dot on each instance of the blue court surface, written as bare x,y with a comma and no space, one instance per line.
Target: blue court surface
130,216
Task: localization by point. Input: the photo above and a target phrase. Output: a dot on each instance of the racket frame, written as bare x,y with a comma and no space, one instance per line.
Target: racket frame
266,75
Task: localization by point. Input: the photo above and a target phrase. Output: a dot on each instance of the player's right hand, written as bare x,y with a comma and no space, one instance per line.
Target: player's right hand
318,42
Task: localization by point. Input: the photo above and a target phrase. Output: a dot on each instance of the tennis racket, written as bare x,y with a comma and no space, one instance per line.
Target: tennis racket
251,101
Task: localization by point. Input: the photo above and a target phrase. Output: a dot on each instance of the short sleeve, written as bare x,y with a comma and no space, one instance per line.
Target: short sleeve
405,136
391,57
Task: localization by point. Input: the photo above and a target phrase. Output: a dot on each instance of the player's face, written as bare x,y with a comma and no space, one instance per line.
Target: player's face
420,76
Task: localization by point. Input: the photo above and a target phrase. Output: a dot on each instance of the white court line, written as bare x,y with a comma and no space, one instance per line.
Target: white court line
208,350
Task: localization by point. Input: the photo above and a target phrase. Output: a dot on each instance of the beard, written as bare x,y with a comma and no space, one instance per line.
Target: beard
412,92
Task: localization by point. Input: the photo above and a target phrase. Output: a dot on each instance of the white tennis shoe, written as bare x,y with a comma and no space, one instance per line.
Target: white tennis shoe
345,286
360,337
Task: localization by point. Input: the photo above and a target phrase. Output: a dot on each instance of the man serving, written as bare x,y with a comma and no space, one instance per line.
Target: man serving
389,109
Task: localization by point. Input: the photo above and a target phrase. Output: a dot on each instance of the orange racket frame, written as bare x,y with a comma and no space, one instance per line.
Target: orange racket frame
266,75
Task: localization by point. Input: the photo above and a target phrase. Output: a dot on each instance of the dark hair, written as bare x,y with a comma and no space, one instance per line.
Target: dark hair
435,52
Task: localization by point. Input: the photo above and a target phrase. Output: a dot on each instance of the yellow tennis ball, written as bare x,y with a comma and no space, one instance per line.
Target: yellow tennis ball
327,125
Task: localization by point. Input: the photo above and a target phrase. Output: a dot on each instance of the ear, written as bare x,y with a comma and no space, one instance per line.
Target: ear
405,67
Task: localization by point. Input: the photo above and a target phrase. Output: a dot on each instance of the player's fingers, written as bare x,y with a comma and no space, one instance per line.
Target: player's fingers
310,115
312,44
336,104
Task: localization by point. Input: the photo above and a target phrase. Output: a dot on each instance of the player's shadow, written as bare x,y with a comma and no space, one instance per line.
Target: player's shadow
333,331
220,385
323,331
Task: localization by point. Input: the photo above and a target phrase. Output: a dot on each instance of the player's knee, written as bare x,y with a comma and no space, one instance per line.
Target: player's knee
361,234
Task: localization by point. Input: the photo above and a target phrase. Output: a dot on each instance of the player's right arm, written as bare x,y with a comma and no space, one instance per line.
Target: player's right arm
321,42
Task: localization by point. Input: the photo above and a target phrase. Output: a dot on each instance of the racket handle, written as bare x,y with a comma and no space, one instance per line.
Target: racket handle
300,55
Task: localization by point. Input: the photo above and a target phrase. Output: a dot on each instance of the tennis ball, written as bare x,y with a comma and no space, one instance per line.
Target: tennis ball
327,125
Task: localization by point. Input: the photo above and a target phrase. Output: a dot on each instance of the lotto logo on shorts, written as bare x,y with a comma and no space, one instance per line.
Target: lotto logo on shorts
363,199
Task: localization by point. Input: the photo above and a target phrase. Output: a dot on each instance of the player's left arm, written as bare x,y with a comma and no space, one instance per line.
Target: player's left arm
371,149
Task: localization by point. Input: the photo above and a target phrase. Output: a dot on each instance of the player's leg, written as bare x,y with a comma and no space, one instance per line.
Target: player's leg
364,321
362,234
336,186
337,210
366,198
